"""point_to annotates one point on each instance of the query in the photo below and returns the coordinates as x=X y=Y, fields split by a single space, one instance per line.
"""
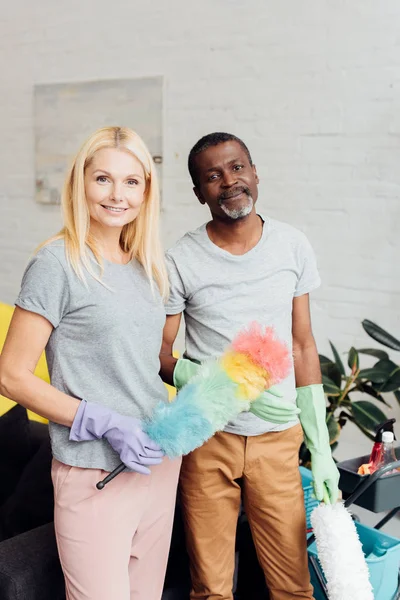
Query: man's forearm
x=167 y=366
x=306 y=364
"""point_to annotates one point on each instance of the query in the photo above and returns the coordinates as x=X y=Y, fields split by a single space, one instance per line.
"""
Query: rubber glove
x=266 y=407
x=184 y=370
x=311 y=401
x=124 y=434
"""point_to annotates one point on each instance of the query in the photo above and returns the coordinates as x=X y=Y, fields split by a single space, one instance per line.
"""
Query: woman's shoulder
x=52 y=249
x=49 y=259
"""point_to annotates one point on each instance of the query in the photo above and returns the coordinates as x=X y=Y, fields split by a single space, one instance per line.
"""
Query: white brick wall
x=312 y=86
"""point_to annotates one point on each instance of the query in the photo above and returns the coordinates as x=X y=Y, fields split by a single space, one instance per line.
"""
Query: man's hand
x=184 y=371
x=270 y=407
x=311 y=401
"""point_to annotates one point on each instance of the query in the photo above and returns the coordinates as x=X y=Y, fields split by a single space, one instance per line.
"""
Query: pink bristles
x=263 y=348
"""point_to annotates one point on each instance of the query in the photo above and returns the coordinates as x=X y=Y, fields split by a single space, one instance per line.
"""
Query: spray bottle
x=376 y=458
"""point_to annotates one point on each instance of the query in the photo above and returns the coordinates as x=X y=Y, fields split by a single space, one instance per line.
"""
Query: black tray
x=383 y=495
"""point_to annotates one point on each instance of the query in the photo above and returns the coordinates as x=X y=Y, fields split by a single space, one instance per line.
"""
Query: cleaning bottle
x=377 y=449
x=388 y=455
x=375 y=459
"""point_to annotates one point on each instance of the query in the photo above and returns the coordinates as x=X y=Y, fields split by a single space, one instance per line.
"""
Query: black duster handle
x=110 y=476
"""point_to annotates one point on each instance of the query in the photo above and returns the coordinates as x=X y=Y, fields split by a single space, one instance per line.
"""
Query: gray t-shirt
x=104 y=346
x=220 y=293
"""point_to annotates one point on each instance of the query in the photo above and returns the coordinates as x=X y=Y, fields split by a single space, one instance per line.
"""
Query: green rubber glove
x=184 y=370
x=311 y=401
x=268 y=408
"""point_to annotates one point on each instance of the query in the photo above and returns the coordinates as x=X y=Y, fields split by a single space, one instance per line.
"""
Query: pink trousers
x=114 y=543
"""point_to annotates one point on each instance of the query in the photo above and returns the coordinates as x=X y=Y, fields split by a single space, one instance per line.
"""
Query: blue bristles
x=179 y=427
x=202 y=407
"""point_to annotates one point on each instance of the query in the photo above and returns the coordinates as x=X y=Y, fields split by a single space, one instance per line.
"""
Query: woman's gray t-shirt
x=104 y=346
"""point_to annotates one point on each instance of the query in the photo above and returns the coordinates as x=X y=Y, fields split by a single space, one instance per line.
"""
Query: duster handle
x=110 y=476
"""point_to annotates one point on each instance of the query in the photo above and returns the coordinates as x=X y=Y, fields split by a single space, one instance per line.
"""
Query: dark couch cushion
x=39 y=433
x=31 y=503
x=177 y=578
x=29 y=567
x=15 y=449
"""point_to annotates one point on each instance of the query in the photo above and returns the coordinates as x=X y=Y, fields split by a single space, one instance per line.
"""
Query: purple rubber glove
x=124 y=434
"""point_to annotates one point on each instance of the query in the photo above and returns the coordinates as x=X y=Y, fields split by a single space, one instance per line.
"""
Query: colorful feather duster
x=221 y=389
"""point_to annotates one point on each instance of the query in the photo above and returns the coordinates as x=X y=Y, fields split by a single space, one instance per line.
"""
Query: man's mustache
x=235 y=192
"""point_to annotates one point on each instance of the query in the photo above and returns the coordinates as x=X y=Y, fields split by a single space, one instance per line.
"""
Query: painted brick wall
x=313 y=87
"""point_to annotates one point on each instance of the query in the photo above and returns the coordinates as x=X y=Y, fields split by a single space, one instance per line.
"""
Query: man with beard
x=237 y=268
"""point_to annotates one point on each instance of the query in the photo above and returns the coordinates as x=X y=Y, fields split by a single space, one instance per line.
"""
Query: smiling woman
x=92 y=297
x=115 y=186
x=113 y=170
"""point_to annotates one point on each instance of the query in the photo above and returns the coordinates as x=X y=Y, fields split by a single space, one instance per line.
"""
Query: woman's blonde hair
x=140 y=238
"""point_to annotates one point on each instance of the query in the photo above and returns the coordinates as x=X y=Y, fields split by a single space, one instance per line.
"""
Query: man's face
x=227 y=182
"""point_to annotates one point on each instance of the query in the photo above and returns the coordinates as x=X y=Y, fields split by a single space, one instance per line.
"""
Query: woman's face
x=115 y=187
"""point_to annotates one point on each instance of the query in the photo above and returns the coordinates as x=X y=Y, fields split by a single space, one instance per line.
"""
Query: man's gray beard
x=239 y=213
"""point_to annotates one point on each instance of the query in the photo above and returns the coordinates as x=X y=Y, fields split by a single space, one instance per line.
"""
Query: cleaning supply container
x=310 y=502
x=381 y=550
x=382 y=553
x=382 y=496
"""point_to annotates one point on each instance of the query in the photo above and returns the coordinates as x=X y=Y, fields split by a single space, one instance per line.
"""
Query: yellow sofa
x=41 y=370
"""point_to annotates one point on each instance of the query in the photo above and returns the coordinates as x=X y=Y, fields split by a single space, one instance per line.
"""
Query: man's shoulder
x=287 y=233
x=188 y=243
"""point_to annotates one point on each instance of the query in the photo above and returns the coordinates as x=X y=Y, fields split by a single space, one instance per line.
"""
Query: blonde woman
x=92 y=296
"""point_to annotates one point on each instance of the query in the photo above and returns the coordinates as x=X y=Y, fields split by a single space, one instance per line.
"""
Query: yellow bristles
x=251 y=378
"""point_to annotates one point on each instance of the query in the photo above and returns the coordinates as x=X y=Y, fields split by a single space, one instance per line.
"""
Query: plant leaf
x=343 y=418
x=393 y=383
x=380 y=335
x=367 y=415
x=324 y=360
x=338 y=360
x=333 y=428
x=374 y=352
x=330 y=388
x=374 y=375
x=386 y=365
x=371 y=391
x=334 y=446
x=353 y=360
x=345 y=402
x=369 y=435
x=331 y=370
x=397 y=394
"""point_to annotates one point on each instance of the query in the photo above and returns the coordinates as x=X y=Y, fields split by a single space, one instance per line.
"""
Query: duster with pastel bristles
x=221 y=389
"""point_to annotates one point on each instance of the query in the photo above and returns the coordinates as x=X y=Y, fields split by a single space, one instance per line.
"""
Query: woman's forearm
x=38 y=396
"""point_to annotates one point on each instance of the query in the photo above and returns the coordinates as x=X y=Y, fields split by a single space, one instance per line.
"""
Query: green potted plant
x=355 y=394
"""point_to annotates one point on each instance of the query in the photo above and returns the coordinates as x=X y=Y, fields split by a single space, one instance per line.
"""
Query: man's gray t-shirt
x=220 y=293
x=104 y=346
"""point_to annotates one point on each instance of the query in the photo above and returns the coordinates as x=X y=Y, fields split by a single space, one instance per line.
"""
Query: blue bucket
x=384 y=570
x=309 y=500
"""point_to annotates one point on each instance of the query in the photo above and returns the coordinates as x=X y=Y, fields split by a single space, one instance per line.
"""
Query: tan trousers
x=274 y=503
